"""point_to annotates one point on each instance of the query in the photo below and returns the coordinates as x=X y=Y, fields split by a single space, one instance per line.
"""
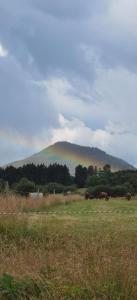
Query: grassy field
x=73 y=249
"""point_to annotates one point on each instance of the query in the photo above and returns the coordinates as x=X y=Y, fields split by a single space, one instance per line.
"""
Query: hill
x=73 y=155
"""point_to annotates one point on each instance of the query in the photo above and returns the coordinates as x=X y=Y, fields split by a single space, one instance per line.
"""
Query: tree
x=2 y=185
x=25 y=186
x=81 y=176
x=11 y=175
x=95 y=169
x=54 y=187
x=91 y=171
x=96 y=180
x=59 y=174
x=107 y=168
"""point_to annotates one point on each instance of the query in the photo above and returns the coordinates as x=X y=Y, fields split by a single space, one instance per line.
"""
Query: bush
x=25 y=186
x=95 y=191
x=71 y=188
x=96 y=180
x=55 y=187
x=42 y=189
x=119 y=191
x=2 y=185
x=113 y=191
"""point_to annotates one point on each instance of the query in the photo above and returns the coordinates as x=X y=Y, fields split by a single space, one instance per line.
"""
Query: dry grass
x=85 y=258
x=52 y=200
x=13 y=203
x=105 y=266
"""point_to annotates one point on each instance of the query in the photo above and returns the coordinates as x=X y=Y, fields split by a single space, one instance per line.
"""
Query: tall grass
x=67 y=258
x=75 y=264
x=12 y=203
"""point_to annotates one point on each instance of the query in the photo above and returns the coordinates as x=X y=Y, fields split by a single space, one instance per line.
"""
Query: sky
x=68 y=72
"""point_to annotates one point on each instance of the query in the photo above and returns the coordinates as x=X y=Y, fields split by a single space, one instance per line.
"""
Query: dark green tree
x=81 y=174
x=91 y=171
x=107 y=168
x=25 y=186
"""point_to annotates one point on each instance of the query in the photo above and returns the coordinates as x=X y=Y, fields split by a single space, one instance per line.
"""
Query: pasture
x=68 y=248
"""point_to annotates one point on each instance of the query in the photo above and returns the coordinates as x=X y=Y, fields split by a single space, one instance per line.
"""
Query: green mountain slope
x=73 y=155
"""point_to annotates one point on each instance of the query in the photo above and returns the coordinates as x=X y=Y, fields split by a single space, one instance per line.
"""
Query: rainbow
x=69 y=155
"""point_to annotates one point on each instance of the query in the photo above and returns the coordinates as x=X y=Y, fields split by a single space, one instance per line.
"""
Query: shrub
x=95 y=191
x=55 y=187
x=96 y=181
x=113 y=191
x=25 y=186
x=119 y=191
x=71 y=188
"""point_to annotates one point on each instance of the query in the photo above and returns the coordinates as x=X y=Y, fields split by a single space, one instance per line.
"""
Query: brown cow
x=128 y=196
x=88 y=196
x=104 y=195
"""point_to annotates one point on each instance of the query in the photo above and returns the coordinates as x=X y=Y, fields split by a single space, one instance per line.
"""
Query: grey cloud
x=15 y=152
x=64 y=39
x=54 y=43
x=68 y=9
x=36 y=28
x=23 y=106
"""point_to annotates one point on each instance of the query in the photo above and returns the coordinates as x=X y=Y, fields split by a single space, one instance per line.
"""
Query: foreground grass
x=70 y=256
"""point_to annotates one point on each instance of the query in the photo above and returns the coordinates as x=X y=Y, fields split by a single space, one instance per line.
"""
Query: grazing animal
x=88 y=196
x=104 y=195
x=128 y=196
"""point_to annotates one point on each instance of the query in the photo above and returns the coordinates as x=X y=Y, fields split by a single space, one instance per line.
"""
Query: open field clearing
x=72 y=250
x=73 y=204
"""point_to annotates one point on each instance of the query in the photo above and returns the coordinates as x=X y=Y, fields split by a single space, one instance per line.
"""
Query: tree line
x=58 y=177
x=42 y=174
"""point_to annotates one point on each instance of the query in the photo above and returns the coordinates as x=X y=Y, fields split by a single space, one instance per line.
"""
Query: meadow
x=68 y=248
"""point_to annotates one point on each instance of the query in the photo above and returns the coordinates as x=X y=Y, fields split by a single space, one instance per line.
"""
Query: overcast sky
x=68 y=71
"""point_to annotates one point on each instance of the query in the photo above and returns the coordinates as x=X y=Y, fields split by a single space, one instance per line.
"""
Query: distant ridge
x=73 y=155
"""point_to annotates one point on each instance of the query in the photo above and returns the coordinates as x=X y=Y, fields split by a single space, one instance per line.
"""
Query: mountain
x=73 y=155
